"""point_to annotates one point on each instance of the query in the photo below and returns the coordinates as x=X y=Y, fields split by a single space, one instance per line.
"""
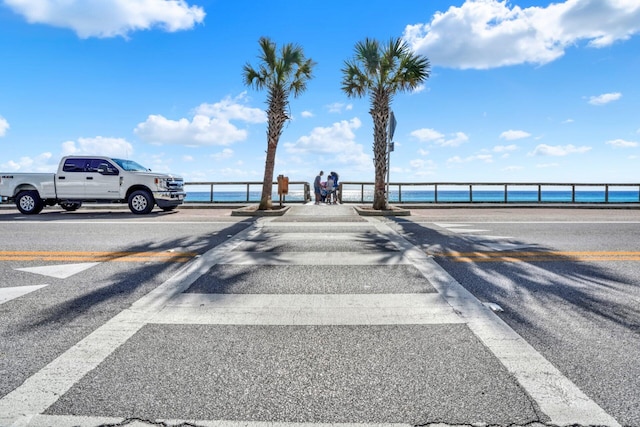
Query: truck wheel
x=70 y=206
x=141 y=202
x=29 y=202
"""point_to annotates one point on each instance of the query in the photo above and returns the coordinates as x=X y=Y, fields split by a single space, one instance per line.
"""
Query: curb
x=253 y=211
x=394 y=211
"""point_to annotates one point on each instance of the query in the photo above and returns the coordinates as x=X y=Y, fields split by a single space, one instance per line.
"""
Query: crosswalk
x=387 y=335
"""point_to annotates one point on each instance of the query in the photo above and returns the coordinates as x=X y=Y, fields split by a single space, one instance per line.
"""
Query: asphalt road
x=568 y=281
x=40 y=326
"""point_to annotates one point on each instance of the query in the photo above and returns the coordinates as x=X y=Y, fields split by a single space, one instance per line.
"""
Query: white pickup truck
x=92 y=178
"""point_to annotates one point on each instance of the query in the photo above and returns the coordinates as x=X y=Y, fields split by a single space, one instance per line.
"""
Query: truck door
x=103 y=181
x=70 y=182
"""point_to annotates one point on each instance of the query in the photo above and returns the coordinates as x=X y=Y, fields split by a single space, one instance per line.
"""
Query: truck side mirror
x=106 y=170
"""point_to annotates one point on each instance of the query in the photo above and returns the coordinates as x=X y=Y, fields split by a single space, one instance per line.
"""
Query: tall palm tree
x=381 y=71
x=283 y=75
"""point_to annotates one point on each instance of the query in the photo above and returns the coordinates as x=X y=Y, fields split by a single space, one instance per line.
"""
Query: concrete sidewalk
x=318 y=317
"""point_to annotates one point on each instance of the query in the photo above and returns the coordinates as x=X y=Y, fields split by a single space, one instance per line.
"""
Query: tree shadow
x=580 y=314
x=543 y=274
x=116 y=292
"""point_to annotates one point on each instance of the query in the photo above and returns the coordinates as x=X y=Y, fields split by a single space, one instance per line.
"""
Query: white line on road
x=46 y=386
x=556 y=395
x=331 y=309
x=61 y=271
x=313 y=258
x=77 y=421
x=7 y=294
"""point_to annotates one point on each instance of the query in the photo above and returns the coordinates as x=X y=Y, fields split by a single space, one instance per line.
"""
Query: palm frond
x=381 y=71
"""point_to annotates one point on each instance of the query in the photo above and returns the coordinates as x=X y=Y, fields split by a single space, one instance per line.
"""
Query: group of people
x=326 y=191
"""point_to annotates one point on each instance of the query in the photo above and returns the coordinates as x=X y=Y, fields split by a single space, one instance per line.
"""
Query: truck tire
x=70 y=206
x=141 y=202
x=29 y=202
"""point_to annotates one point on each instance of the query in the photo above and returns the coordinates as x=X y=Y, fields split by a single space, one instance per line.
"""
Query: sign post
x=390 y=147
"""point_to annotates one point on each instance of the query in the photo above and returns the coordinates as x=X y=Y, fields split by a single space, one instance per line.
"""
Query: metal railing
x=426 y=192
x=504 y=193
x=242 y=192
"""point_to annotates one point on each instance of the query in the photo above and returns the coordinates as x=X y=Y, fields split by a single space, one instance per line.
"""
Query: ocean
x=429 y=196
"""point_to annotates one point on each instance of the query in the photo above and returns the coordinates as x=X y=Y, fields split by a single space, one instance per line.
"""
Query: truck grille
x=175 y=184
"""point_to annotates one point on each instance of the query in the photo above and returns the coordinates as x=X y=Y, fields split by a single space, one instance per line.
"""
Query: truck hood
x=159 y=175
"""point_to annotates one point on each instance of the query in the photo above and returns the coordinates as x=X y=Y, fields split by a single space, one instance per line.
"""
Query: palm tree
x=281 y=76
x=382 y=71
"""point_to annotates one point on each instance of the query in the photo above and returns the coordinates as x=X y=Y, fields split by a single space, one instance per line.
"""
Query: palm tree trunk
x=380 y=114
x=379 y=196
x=267 y=182
x=276 y=117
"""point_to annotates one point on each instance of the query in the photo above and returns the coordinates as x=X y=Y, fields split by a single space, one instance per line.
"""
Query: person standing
x=335 y=188
x=329 y=188
x=317 y=187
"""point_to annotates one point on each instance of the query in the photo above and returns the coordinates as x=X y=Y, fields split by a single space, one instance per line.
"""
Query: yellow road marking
x=540 y=256
x=96 y=256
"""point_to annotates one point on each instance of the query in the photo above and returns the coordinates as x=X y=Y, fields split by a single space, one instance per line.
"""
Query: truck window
x=75 y=165
x=130 y=165
x=102 y=166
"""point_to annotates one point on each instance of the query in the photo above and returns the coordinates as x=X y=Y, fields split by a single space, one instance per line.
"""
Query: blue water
x=428 y=196
x=239 y=196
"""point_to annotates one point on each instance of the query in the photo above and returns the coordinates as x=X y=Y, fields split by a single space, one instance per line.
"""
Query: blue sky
x=520 y=91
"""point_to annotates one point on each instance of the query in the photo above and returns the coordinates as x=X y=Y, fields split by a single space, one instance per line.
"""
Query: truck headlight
x=162 y=183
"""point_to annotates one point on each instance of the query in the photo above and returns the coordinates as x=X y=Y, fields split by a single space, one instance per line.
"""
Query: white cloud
x=511 y=135
x=425 y=173
x=419 y=88
x=211 y=125
x=201 y=130
x=487 y=158
x=232 y=109
x=457 y=139
x=433 y=136
x=505 y=148
x=423 y=152
x=339 y=107
x=485 y=34
x=110 y=18
x=326 y=139
x=338 y=140
x=605 y=98
x=224 y=154
x=512 y=168
x=306 y=114
x=417 y=163
x=40 y=163
x=99 y=146
x=427 y=135
x=621 y=143
x=187 y=158
x=558 y=150
x=239 y=174
x=4 y=126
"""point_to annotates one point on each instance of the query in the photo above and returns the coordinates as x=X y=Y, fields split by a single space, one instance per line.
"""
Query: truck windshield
x=130 y=165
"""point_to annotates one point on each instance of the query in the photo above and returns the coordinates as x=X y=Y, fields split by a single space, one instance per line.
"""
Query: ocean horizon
x=429 y=196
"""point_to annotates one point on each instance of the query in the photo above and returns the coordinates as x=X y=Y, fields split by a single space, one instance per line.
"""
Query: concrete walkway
x=318 y=317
